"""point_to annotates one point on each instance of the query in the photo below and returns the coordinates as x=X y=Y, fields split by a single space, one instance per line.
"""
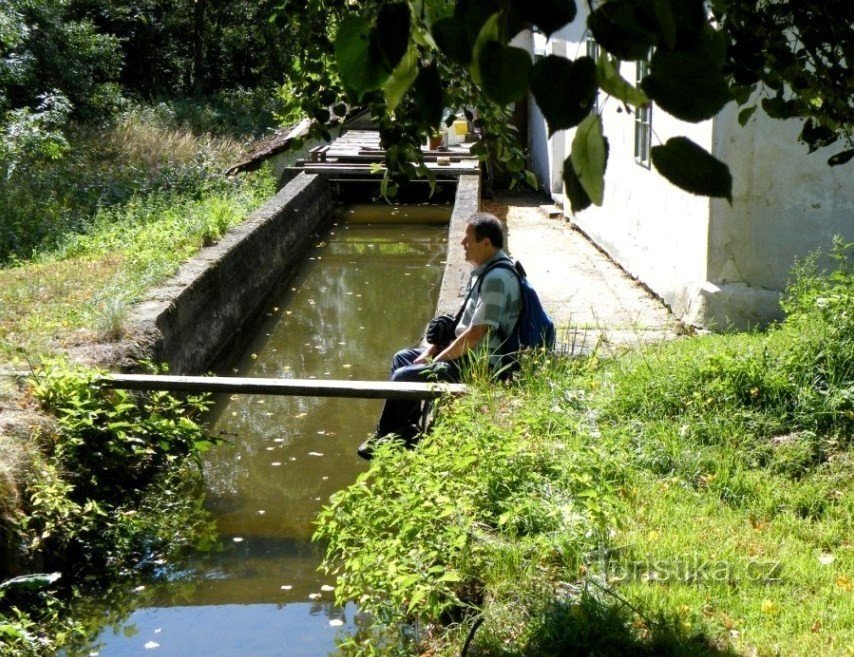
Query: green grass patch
x=88 y=280
x=689 y=498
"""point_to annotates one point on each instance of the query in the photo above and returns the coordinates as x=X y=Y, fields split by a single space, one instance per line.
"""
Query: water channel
x=364 y=291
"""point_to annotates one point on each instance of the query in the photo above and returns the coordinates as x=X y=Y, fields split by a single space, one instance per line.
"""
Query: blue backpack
x=534 y=328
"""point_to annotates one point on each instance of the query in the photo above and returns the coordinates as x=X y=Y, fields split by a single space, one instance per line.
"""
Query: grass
x=687 y=498
x=166 y=200
x=81 y=239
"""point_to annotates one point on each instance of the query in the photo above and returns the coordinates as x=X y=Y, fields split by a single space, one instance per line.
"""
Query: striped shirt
x=498 y=304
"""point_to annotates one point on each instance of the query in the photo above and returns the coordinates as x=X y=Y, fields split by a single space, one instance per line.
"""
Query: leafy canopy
x=405 y=60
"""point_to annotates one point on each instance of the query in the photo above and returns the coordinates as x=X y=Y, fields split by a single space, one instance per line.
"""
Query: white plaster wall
x=655 y=231
x=658 y=233
x=714 y=264
x=786 y=202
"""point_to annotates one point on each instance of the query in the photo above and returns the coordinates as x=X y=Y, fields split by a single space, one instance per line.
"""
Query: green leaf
x=429 y=96
x=841 y=158
x=450 y=36
x=401 y=79
x=666 y=22
x=474 y=14
x=777 y=108
x=392 y=32
x=692 y=168
x=588 y=157
x=687 y=85
x=564 y=90
x=360 y=61
x=548 y=15
x=613 y=83
x=578 y=198
x=531 y=180
x=505 y=72
x=745 y=114
x=488 y=33
x=624 y=28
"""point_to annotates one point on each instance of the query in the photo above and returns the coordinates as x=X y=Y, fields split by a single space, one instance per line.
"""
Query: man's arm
x=464 y=343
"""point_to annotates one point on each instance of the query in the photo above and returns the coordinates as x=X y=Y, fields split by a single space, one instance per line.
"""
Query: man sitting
x=490 y=314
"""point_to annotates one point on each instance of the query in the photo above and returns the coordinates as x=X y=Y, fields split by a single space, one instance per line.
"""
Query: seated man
x=490 y=314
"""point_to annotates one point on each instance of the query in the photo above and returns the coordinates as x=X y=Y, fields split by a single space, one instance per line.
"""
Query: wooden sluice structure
x=357 y=155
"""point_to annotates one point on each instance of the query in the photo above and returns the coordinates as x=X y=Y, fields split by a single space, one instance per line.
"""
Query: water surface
x=364 y=292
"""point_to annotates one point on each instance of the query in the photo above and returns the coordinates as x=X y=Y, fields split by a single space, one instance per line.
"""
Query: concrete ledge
x=457 y=270
x=195 y=315
x=734 y=307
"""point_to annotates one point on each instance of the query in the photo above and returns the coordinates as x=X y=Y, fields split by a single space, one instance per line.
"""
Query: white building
x=714 y=264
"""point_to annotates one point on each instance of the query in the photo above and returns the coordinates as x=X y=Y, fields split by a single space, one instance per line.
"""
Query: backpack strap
x=516 y=268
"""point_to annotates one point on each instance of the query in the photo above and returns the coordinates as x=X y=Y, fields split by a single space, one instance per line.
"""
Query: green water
x=364 y=292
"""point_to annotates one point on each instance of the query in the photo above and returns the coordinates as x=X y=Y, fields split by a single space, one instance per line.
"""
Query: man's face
x=477 y=252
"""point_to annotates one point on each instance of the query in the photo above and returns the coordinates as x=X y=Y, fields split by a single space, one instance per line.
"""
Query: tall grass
x=85 y=236
x=690 y=498
x=43 y=202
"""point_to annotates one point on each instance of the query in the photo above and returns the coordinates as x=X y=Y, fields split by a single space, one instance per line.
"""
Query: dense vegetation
x=408 y=61
x=111 y=493
x=691 y=498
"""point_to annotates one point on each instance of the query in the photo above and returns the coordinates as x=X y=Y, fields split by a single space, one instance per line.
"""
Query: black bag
x=440 y=330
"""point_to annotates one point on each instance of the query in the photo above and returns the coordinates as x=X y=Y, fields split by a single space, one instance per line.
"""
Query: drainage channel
x=365 y=290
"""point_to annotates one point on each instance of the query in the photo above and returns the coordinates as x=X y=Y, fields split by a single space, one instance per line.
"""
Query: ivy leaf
x=588 y=157
x=578 y=198
x=687 y=85
x=360 y=61
x=548 y=15
x=841 y=158
x=505 y=72
x=401 y=79
x=624 y=28
x=692 y=168
x=564 y=90
x=613 y=83
x=745 y=114
x=392 y=32
x=450 y=36
x=489 y=32
x=429 y=97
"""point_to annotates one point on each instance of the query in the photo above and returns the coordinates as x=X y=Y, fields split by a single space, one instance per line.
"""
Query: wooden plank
x=292 y=387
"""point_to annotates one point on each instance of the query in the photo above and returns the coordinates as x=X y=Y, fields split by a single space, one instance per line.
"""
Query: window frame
x=643 y=121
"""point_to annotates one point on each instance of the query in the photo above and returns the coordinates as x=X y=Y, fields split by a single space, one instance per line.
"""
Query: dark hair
x=487 y=225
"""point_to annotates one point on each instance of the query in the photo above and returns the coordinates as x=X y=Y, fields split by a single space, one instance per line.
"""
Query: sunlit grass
x=89 y=280
x=689 y=498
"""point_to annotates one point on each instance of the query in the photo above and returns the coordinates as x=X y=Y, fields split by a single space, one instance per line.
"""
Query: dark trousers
x=402 y=416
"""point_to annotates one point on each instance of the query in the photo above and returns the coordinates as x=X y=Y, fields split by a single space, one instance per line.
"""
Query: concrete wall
x=197 y=314
x=786 y=204
x=457 y=270
x=715 y=265
x=656 y=232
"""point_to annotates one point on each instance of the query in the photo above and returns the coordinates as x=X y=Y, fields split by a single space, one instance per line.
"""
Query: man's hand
x=426 y=356
x=464 y=343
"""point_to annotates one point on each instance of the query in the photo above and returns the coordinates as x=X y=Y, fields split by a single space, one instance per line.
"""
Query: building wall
x=656 y=232
x=715 y=265
x=786 y=204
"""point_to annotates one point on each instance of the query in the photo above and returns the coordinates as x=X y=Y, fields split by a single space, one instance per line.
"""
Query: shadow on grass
x=588 y=626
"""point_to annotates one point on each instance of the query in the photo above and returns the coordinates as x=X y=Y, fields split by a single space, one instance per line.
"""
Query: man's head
x=484 y=236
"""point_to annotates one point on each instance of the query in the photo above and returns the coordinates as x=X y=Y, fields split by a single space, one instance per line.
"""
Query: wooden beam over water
x=292 y=387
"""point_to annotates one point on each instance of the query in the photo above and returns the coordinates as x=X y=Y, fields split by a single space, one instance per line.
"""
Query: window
x=643 y=122
x=593 y=52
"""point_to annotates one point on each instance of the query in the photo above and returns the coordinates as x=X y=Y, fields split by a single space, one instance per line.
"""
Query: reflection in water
x=364 y=292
